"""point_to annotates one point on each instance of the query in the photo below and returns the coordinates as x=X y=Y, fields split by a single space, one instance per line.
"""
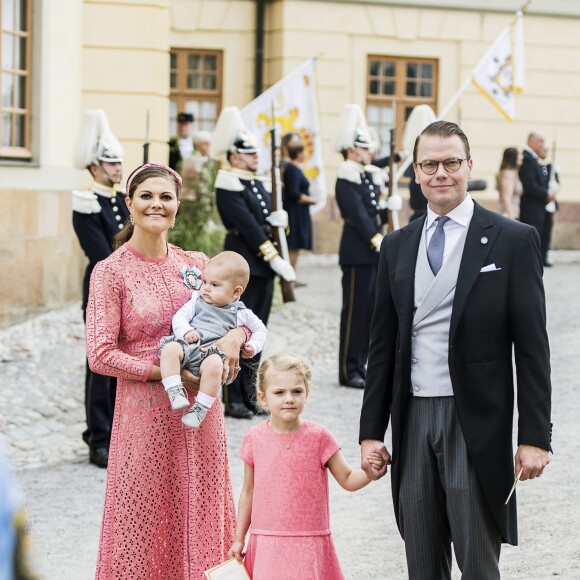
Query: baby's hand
x=236 y=551
x=248 y=351
x=376 y=460
x=191 y=337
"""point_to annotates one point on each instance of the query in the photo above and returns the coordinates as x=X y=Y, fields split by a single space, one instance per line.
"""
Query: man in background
x=536 y=191
x=98 y=215
x=181 y=146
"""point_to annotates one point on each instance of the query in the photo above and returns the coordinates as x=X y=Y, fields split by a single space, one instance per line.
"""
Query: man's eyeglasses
x=450 y=165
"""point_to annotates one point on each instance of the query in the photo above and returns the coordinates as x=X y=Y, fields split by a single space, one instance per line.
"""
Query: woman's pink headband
x=155 y=165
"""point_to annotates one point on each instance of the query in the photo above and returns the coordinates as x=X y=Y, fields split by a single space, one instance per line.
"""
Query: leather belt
x=266 y=227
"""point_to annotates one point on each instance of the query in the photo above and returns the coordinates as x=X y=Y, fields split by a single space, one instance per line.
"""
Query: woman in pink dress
x=169 y=511
x=285 y=492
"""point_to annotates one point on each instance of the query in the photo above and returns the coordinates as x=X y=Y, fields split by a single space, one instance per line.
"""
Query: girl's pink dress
x=169 y=510
x=290 y=525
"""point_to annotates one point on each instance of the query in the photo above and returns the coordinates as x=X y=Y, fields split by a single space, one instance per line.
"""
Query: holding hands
x=375 y=460
x=374 y=468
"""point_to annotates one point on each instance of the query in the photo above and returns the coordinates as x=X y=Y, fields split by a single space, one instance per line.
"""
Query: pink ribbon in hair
x=153 y=164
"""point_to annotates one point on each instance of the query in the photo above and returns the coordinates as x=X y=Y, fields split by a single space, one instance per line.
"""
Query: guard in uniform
x=244 y=203
x=181 y=146
x=98 y=215
x=357 y=194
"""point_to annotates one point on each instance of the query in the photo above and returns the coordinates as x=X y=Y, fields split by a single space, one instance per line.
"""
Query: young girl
x=285 y=492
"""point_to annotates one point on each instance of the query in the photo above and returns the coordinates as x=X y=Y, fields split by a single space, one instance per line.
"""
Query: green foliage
x=198 y=226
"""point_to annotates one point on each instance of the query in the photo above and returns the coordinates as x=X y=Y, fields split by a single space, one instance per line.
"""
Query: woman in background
x=508 y=183
x=296 y=198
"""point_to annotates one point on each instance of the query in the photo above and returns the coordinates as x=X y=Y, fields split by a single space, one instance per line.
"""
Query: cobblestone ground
x=42 y=416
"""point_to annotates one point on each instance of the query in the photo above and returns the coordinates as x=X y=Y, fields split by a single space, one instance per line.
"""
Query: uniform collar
x=532 y=153
x=360 y=168
x=243 y=173
x=105 y=190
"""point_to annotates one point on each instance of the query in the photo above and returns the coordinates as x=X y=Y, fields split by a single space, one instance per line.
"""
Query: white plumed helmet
x=96 y=141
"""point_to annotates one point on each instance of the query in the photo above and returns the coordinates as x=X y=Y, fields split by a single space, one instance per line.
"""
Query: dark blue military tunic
x=244 y=203
x=98 y=215
x=357 y=196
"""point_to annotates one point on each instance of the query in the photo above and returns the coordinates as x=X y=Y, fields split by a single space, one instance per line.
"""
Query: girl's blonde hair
x=283 y=363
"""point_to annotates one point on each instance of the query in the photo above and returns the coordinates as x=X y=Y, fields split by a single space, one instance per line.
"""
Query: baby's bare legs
x=211 y=370
x=169 y=361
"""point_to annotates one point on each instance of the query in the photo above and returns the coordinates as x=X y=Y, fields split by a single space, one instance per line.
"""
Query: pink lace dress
x=169 y=510
x=290 y=524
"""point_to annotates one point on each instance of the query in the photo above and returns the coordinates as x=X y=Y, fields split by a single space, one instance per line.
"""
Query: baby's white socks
x=205 y=400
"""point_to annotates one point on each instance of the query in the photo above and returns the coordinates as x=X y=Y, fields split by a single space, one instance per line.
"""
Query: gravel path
x=41 y=413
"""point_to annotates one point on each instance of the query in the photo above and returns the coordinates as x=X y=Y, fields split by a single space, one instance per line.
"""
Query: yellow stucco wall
x=114 y=55
x=342 y=34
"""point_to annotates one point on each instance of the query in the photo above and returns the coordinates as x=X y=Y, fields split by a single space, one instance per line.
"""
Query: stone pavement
x=42 y=416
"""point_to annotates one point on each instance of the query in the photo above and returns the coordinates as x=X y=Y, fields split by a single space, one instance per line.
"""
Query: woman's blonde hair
x=283 y=363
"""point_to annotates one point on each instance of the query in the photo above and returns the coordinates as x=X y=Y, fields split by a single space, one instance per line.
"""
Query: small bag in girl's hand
x=229 y=570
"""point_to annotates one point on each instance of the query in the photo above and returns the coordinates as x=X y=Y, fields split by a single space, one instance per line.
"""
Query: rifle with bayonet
x=279 y=233
x=146 y=144
x=392 y=190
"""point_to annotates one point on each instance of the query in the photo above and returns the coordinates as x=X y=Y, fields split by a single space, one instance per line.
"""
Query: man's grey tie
x=437 y=245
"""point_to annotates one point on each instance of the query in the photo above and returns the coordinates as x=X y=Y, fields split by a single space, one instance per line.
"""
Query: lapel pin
x=484 y=240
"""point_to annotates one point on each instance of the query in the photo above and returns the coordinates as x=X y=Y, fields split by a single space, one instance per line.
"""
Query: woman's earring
x=131 y=218
x=173 y=224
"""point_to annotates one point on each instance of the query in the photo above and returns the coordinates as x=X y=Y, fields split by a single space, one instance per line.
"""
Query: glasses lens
x=452 y=165
x=429 y=167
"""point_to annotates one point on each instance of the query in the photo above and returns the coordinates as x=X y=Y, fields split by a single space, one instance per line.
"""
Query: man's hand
x=368 y=448
x=191 y=337
x=531 y=460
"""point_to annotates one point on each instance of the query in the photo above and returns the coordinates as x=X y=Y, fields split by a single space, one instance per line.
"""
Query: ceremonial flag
x=499 y=75
x=295 y=110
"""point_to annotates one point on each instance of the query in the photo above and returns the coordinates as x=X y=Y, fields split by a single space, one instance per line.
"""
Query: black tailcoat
x=493 y=312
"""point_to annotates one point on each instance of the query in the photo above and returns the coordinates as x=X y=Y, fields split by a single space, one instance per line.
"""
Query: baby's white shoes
x=195 y=415
x=177 y=397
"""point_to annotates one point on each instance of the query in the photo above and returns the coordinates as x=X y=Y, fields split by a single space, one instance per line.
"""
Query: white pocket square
x=490 y=268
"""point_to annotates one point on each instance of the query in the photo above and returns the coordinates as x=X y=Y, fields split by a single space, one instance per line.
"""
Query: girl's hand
x=190 y=381
x=236 y=551
x=376 y=460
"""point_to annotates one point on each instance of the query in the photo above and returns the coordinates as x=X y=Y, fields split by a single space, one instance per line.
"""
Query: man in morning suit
x=537 y=192
x=456 y=290
x=98 y=215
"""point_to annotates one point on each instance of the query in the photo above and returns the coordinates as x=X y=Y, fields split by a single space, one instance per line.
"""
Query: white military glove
x=283 y=268
x=278 y=219
x=395 y=203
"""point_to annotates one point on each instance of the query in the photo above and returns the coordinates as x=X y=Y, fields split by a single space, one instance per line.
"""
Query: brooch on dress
x=191 y=277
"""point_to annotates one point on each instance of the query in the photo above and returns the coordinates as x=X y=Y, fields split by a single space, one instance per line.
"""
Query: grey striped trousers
x=441 y=500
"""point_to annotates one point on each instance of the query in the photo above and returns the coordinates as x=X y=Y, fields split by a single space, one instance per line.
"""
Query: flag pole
x=457 y=95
